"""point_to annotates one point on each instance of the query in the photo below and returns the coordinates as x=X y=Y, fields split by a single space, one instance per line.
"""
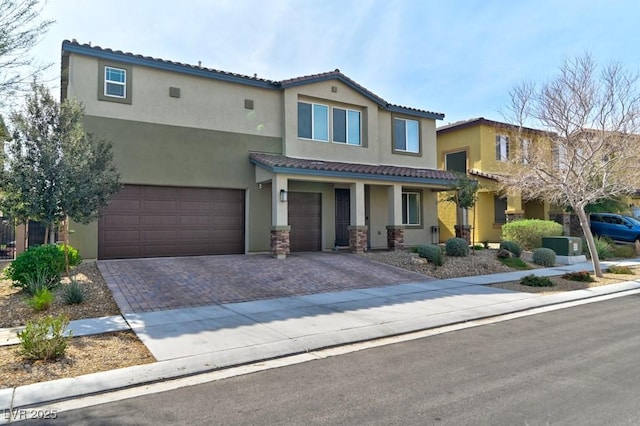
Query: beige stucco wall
x=204 y=103
x=154 y=154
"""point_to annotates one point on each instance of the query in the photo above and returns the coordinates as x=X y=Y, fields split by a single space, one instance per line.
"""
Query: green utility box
x=563 y=246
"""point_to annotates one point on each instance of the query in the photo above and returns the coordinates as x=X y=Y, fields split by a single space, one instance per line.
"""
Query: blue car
x=615 y=226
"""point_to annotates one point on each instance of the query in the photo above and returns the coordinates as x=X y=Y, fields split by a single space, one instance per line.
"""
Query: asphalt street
x=572 y=366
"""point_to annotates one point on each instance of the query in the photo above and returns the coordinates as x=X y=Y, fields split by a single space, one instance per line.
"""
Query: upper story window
x=346 y=126
x=115 y=82
x=502 y=148
x=313 y=121
x=411 y=208
x=406 y=135
x=525 y=150
x=456 y=162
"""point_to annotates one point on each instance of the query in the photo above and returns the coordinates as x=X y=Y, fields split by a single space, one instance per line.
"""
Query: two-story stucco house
x=214 y=162
x=479 y=147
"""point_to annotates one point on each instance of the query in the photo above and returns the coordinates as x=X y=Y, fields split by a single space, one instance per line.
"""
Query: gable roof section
x=287 y=165
x=199 y=71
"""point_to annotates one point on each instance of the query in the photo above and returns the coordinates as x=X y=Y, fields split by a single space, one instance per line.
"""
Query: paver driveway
x=142 y=285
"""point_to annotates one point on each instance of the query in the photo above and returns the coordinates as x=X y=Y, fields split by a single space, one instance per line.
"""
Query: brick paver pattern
x=142 y=285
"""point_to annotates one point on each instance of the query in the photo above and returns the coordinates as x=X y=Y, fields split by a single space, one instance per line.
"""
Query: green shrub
x=529 y=232
x=604 y=247
x=515 y=263
x=535 y=281
x=414 y=250
x=544 y=256
x=44 y=338
x=41 y=300
x=477 y=247
x=50 y=256
x=41 y=279
x=457 y=247
x=432 y=253
x=512 y=246
x=73 y=293
x=617 y=269
x=582 y=276
x=625 y=251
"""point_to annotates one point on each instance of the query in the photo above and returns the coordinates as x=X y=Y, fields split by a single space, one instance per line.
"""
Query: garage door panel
x=143 y=221
x=157 y=221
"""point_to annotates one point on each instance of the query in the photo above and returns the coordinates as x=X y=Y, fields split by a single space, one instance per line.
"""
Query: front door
x=343 y=216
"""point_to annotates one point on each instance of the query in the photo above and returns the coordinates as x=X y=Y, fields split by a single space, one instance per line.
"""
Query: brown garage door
x=304 y=219
x=150 y=221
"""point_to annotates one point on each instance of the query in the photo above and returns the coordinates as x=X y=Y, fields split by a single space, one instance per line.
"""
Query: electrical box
x=564 y=246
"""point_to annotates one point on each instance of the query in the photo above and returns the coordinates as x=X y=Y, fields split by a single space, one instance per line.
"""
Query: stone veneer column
x=280 y=244
x=395 y=237
x=358 y=239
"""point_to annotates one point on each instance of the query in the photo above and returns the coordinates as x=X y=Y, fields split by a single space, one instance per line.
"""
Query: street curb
x=106 y=381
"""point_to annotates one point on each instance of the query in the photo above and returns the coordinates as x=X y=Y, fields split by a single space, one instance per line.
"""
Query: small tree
x=54 y=169
x=588 y=150
x=21 y=29
x=464 y=196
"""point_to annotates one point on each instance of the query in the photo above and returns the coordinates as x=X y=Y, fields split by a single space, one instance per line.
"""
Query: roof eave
x=68 y=47
x=444 y=183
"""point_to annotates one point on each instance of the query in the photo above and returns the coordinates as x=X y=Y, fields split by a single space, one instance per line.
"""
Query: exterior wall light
x=283 y=195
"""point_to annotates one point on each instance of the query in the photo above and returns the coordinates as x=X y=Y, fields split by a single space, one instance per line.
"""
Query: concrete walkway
x=193 y=340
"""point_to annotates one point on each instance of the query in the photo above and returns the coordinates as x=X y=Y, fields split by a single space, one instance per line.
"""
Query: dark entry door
x=343 y=216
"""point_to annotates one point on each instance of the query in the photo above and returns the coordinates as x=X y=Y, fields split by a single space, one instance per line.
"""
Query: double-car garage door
x=150 y=221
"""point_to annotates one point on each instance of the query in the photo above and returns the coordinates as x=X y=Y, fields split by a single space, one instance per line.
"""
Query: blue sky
x=458 y=57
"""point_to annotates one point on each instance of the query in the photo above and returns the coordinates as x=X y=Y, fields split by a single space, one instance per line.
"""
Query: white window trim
x=313 y=122
x=117 y=83
x=347 y=110
x=419 y=201
x=406 y=138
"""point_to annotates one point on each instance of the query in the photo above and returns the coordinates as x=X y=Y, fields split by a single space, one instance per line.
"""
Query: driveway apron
x=154 y=284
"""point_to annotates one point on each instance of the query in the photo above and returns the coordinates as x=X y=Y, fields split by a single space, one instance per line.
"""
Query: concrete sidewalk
x=195 y=340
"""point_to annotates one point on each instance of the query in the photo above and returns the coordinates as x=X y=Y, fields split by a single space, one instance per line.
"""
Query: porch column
x=514 y=208
x=279 y=218
x=358 y=228
x=395 y=228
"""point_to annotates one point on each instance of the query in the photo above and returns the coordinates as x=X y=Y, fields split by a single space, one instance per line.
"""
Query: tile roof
x=481 y=120
x=492 y=176
x=118 y=55
x=280 y=163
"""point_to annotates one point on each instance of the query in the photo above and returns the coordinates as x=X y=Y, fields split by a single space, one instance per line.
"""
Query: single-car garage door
x=150 y=221
x=304 y=219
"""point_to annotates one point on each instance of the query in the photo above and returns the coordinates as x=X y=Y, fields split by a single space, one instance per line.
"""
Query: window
x=525 y=145
x=406 y=135
x=313 y=121
x=502 y=148
x=115 y=82
x=411 y=208
x=346 y=126
x=456 y=162
x=500 y=208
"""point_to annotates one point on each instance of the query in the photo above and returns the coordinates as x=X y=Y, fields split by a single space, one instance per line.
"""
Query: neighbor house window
x=456 y=162
x=525 y=148
x=313 y=121
x=346 y=126
x=500 y=208
x=411 y=208
x=406 y=135
x=502 y=148
x=115 y=82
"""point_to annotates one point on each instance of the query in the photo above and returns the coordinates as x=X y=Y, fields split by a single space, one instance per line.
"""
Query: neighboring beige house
x=215 y=162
